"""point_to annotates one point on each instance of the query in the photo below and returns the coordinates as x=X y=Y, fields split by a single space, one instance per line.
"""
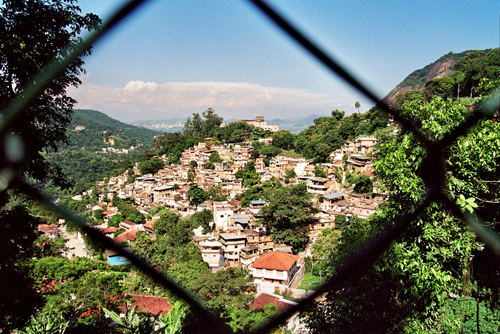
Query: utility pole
x=458 y=91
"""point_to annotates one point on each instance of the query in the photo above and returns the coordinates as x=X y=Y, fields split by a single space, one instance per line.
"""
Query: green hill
x=89 y=132
x=452 y=74
x=101 y=131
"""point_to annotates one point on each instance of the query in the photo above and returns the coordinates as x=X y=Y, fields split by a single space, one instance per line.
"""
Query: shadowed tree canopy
x=32 y=34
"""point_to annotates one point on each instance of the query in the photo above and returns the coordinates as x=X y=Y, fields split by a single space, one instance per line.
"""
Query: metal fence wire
x=352 y=266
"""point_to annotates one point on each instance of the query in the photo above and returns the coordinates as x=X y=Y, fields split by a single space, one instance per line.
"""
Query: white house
x=275 y=267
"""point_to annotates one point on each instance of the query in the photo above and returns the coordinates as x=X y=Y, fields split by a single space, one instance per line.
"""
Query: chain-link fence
x=354 y=265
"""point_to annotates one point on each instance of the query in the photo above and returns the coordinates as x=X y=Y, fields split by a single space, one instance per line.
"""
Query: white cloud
x=150 y=100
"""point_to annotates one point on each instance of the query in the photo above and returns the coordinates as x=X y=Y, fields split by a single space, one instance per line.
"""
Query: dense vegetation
x=77 y=159
x=425 y=278
x=101 y=129
x=417 y=79
x=469 y=71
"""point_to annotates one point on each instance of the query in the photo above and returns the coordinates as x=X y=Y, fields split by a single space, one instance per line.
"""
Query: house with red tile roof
x=275 y=267
x=264 y=299
x=281 y=304
x=126 y=236
x=52 y=231
x=148 y=304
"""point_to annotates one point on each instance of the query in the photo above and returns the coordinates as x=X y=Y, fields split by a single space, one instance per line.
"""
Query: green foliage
x=168 y=220
x=311 y=282
x=202 y=218
x=247 y=319
x=287 y=214
x=137 y=323
x=238 y=132
x=17 y=234
x=340 y=221
x=224 y=288
x=115 y=220
x=127 y=210
x=257 y=192
x=418 y=77
x=329 y=133
x=99 y=128
x=409 y=285
x=62 y=268
x=216 y=193
x=26 y=48
x=248 y=174
x=214 y=157
x=363 y=184
x=209 y=165
x=196 y=195
x=319 y=172
x=84 y=168
x=202 y=127
x=46 y=324
x=44 y=246
x=289 y=174
x=151 y=166
x=283 y=139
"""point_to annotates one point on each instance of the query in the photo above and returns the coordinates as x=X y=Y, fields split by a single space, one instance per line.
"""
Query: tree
x=364 y=184
x=357 y=105
x=115 y=220
x=410 y=287
x=216 y=193
x=248 y=174
x=287 y=214
x=151 y=166
x=319 y=172
x=214 y=157
x=283 y=139
x=196 y=195
x=338 y=114
x=289 y=174
x=27 y=44
x=168 y=220
x=209 y=165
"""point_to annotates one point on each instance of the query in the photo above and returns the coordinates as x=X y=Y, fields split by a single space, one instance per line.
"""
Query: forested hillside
x=102 y=131
x=452 y=75
x=438 y=276
x=91 y=131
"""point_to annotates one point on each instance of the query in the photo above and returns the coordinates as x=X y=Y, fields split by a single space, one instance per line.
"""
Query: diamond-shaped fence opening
x=351 y=267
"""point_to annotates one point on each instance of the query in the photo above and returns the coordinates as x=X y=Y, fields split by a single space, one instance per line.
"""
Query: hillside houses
x=238 y=238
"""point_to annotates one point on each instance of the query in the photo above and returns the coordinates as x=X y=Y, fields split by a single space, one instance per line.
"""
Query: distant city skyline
x=171 y=59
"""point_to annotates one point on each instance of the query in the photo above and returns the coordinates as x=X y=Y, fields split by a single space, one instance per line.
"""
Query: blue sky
x=173 y=58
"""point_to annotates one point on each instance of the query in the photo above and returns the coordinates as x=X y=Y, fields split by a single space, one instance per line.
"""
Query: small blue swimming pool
x=113 y=260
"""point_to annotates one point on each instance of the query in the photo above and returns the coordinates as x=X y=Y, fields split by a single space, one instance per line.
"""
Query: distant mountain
x=92 y=130
x=441 y=68
x=166 y=125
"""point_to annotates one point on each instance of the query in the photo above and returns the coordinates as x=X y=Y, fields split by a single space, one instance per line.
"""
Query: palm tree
x=357 y=105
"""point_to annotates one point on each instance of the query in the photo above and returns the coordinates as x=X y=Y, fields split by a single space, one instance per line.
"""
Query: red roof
x=265 y=299
x=275 y=261
x=150 y=224
x=126 y=236
x=148 y=304
x=107 y=230
x=235 y=202
x=44 y=228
